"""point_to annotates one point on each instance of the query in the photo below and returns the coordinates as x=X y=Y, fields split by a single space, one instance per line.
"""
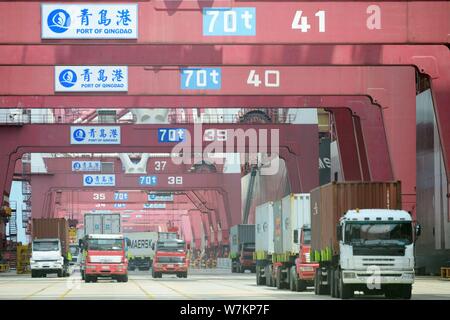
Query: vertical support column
x=348 y=149
x=365 y=172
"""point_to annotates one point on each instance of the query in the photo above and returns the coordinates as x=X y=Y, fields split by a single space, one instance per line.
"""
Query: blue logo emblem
x=67 y=78
x=77 y=166
x=58 y=21
x=89 y=180
x=79 y=135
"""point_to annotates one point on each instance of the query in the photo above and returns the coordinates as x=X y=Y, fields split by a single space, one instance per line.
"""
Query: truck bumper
x=105 y=269
x=307 y=271
x=170 y=270
x=47 y=266
x=382 y=277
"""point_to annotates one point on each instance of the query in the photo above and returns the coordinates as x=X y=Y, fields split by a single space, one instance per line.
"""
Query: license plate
x=170 y=266
x=105 y=267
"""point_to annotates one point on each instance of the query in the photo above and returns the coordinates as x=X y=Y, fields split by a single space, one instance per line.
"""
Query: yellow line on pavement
x=147 y=294
x=177 y=291
x=39 y=291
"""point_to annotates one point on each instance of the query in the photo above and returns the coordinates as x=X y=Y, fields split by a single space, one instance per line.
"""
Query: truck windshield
x=170 y=260
x=170 y=246
x=105 y=244
x=306 y=236
x=45 y=246
x=378 y=233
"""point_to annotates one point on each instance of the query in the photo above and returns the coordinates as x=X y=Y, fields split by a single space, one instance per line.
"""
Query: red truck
x=283 y=243
x=104 y=255
x=170 y=258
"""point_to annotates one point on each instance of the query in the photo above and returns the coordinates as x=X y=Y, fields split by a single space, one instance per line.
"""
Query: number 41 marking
x=301 y=23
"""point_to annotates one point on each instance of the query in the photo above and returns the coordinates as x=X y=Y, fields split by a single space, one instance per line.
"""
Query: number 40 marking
x=271 y=78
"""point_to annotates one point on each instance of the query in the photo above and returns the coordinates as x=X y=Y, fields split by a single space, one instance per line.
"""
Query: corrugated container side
x=278 y=227
x=52 y=228
x=241 y=233
x=264 y=230
x=296 y=212
x=331 y=201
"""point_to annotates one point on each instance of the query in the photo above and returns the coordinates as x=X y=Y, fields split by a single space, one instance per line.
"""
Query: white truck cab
x=376 y=252
x=47 y=257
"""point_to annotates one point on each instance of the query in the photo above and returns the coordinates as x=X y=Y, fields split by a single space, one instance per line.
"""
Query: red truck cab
x=170 y=258
x=305 y=269
x=246 y=258
x=104 y=255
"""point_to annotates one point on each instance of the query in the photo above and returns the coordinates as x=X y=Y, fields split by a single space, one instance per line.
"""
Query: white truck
x=367 y=250
x=140 y=251
x=47 y=257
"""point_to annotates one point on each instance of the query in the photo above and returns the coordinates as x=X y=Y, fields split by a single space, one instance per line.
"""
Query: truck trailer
x=140 y=251
x=362 y=240
x=283 y=243
x=242 y=248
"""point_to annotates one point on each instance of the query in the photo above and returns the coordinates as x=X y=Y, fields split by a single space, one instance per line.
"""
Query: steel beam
x=329 y=22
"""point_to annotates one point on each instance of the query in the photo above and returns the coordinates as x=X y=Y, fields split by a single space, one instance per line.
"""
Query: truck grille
x=386 y=262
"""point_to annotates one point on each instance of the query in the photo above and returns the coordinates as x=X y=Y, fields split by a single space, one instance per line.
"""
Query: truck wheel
x=332 y=284
x=259 y=280
x=33 y=274
x=124 y=278
x=301 y=285
x=406 y=291
x=82 y=275
x=94 y=279
x=60 y=273
x=179 y=275
x=345 y=290
x=87 y=278
x=278 y=280
x=293 y=280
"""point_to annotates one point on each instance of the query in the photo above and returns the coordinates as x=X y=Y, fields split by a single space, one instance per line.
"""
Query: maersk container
x=278 y=227
x=264 y=229
x=331 y=201
x=296 y=212
x=102 y=223
x=240 y=234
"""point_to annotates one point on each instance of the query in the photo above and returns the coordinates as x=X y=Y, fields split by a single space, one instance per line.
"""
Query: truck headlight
x=408 y=275
x=349 y=275
x=32 y=261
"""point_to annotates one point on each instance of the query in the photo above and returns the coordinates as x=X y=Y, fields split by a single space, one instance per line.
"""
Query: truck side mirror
x=153 y=246
x=418 y=230
x=128 y=242
x=296 y=238
x=339 y=232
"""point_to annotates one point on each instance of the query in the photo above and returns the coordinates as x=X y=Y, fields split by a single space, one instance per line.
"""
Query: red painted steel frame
x=181 y=22
x=396 y=96
x=294 y=140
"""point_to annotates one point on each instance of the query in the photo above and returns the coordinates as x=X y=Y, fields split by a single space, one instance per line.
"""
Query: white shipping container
x=296 y=212
x=264 y=228
x=102 y=223
x=141 y=243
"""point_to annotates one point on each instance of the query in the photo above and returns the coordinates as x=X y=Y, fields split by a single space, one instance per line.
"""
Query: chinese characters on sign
x=91 y=78
x=154 y=205
x=99 y=180
x=89 y=21
x=86 y=165
x=95 y=135
x=160 y=197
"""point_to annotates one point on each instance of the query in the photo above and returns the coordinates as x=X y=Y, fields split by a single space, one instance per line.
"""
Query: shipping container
x=102 y=223
x=141 y=243
x=45 y=228
x=296 y=213
x=264 y=230
x=331 y=201
x=241 y=234
x=278 y=228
